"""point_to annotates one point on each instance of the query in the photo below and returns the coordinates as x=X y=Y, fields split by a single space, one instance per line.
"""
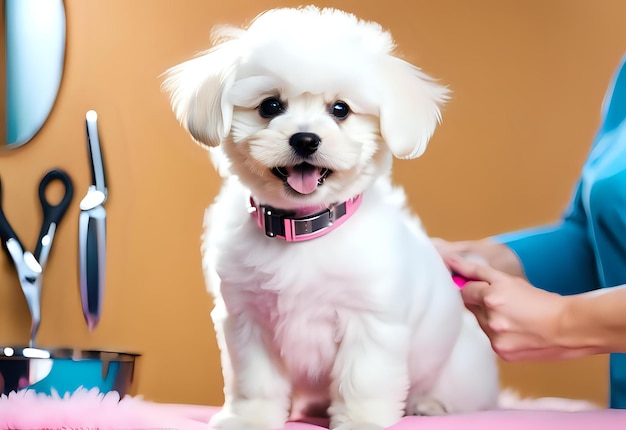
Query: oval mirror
x=35 y=53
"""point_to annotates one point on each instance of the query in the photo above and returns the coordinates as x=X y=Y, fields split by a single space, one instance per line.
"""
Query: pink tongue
x=303 y=179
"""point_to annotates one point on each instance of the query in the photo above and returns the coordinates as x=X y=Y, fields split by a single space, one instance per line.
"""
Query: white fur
x=364 y=321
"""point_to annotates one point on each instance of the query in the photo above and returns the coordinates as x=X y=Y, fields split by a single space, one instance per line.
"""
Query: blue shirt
x=586 y=250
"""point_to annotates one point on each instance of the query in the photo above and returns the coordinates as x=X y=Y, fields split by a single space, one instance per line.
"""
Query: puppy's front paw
x=426 y=407
x=343 y=422
x=356 y=426
x=228 y=421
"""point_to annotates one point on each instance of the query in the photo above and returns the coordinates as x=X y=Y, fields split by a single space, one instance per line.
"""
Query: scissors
x=29 y=266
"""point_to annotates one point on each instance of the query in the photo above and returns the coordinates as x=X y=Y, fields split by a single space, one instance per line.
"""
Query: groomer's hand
x=460 y=248
x=522 y=321
x=495 y=254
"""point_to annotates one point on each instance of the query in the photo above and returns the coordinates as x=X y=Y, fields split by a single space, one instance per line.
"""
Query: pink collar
x=292 y=228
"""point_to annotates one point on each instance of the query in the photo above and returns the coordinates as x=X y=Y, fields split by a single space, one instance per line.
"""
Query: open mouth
x=303 y=178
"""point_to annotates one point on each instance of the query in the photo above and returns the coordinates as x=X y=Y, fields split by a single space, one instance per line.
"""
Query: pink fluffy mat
x=93 y=410
x=96 y=411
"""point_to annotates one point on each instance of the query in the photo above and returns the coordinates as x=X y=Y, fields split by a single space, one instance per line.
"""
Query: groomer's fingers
x=445 y=247
x=473 y=294
x=472 y=270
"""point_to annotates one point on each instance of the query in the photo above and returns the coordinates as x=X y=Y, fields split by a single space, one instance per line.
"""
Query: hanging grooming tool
x=92 y=230
x=30 y=266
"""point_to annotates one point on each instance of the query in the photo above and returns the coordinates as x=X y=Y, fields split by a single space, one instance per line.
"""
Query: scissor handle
x=6 y=232
x=52 y=213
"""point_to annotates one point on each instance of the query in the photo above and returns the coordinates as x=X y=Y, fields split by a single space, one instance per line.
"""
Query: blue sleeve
x=559 y=257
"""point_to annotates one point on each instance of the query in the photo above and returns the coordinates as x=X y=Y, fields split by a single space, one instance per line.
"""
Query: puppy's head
x=306 y=105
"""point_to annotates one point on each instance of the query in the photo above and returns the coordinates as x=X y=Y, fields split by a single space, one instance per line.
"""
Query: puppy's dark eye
x=340 y=110
x=271 y=107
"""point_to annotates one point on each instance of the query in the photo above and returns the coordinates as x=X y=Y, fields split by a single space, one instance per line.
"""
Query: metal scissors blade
x=29 y=275
x=98 y=176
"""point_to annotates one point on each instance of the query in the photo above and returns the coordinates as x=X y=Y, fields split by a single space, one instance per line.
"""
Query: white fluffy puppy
x=328 y=294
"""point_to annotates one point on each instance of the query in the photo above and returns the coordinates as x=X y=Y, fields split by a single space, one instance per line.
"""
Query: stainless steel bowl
x=65 y=370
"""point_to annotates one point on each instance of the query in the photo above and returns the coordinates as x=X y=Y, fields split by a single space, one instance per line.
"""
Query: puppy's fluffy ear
x=197 y=86
x=410 y=107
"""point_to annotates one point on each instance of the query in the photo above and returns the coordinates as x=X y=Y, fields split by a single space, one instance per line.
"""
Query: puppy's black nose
x=305 y=144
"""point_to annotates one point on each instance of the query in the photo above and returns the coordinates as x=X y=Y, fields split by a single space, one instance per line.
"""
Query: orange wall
x=528 y=79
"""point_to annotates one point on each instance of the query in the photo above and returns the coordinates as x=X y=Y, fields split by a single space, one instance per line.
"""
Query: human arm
x=527 y=323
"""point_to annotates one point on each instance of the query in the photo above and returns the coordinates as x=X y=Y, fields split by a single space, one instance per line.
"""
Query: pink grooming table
x=605 y=419
x=89 y=409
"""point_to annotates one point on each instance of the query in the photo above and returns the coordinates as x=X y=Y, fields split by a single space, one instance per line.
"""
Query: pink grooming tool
x=459 y=280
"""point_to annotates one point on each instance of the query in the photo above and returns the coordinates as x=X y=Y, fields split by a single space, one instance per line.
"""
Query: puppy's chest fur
x=305 y=331
x=303 y=320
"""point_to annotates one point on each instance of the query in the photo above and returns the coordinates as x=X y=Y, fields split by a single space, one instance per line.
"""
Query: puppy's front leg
x=370 y=377
x=256 y=392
